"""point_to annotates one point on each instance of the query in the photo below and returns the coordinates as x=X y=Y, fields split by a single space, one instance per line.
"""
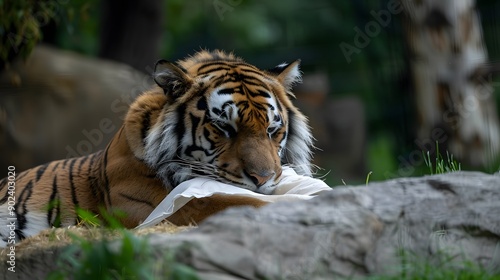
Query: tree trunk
x=451 y=80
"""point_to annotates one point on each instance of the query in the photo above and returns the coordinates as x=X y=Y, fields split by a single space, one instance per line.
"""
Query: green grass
x=443 y=267
x=440 y=165
x=125 y=256
x=129 y=257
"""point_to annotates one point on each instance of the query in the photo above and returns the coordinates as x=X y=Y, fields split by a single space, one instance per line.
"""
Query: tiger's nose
x=260 y=178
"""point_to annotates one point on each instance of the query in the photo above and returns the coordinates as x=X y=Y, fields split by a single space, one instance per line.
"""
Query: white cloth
x=291 y=187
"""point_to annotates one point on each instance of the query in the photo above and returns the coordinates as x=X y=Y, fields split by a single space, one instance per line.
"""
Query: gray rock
x=356 y=231
x=347 y=232
x=59 y=104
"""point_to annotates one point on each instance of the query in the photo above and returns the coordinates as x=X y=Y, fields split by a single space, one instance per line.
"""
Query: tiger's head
x=225 y=119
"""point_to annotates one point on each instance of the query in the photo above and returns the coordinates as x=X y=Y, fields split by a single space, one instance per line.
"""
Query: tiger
x=209 y=115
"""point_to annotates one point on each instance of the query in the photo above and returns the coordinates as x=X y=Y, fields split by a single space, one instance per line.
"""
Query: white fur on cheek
x=161 y=148
x=298 y=148
x=161 y=139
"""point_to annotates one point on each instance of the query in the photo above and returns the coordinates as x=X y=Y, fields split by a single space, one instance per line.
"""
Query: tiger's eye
x=225 y=128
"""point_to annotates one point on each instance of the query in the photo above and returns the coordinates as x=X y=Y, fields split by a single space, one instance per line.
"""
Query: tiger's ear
x=288 y=73
x=172 y=79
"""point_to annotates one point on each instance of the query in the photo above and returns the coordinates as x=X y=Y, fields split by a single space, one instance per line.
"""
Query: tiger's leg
x=46 y=196
x=31 y=204
x=197 y=210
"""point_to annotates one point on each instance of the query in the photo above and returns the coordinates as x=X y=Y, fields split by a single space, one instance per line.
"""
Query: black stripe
x=94 y=189
x=21 y=210
x=206 y=133
x=92 y=180
x=55 y=167
x=248 y=78
x=263 y=93
x=105 y=184
x=212 y=64
x=231 y=64
x=195 y=121
x=82 y=161
x=72 y=182
x=244 y=64
x=243 y=104
x=211 y=161
x=3 y=183
x=41 y=171
x=216 y=69
x=57 y=221
x=218 y=112
x=259 y=93
x=146 y=124
x=202 y=104
x=216 y=82
x=180 y=129
x=251 y=71
x=54 y=203
x=256 y=84
x=92 y=159
x=161 y=158
x=226 y=104
x=226 y=91
x=138 y=200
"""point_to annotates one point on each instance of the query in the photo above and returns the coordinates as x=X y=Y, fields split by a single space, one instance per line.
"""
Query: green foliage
x=444 y=267
x=251 y=26
x=20 y=23
x=122 y=257
x=87 y=218
x=79 y=29
x=129 y=258
x=105 y=218
x=441 y=165
x=97 y=260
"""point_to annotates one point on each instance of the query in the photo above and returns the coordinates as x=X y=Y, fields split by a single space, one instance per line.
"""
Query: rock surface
x=59 y=104
x=346 y=232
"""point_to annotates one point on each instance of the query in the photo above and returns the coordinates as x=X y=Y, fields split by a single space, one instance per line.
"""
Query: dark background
x=267 y=33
